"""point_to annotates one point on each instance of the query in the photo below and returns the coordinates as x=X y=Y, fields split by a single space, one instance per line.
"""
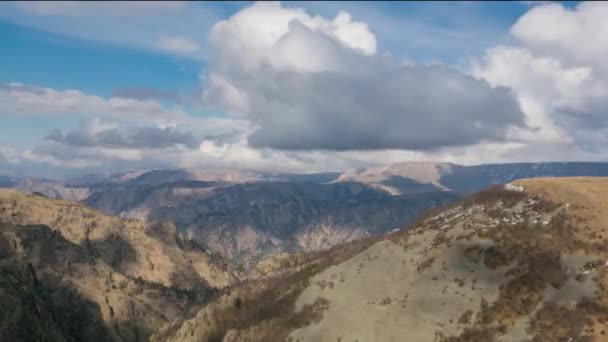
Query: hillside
x=70 y=273
x=520 y=262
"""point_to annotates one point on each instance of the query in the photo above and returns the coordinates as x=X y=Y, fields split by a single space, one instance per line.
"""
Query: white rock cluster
x=512 y=187
x=457 y=212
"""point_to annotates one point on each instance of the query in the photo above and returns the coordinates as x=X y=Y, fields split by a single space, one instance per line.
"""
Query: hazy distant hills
x=247 y=215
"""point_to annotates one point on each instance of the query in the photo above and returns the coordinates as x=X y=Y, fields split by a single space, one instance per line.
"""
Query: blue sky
x=147 y=49
x=63 y=62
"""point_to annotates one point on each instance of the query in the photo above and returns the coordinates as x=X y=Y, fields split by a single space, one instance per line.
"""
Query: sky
x=103 y=87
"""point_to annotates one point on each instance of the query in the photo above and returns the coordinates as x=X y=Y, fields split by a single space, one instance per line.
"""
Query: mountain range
x=247 y=215
x=524 y=261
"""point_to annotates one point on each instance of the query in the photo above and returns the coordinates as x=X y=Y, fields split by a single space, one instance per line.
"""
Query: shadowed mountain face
x=249 y=221
x=520 y=263
x=248 y=215
x=70 y=273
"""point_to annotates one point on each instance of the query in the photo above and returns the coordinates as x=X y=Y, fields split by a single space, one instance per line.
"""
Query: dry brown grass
x=580 y=207
x=264 y=309
x=570 y=218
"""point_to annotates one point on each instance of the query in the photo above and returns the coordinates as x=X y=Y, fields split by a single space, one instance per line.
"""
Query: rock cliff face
x=522 y=263
x=71 y=273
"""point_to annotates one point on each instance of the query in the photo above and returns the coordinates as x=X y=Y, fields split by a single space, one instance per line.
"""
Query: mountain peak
x=385 y=177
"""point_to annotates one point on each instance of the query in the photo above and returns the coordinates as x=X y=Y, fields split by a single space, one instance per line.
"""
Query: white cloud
x=575 y=36
x=19 y=99
x=541 y=84
x=97 y=134
x=312 y=83
x=558 y=72
x=258 y=34
x=132 y=24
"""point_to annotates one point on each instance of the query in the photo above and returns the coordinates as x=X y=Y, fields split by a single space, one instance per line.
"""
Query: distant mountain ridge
x=401 y=177
x=398 y=178
x=464 y=179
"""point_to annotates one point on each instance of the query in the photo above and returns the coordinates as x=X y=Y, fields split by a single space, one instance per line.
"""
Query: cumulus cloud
x=127 y=106
x=542 y=85
x=558 y=72
x=577 y=35
x=312 y=83
x=115 y=136
x=107 y=146
x=579 y=42
x=117 y=133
